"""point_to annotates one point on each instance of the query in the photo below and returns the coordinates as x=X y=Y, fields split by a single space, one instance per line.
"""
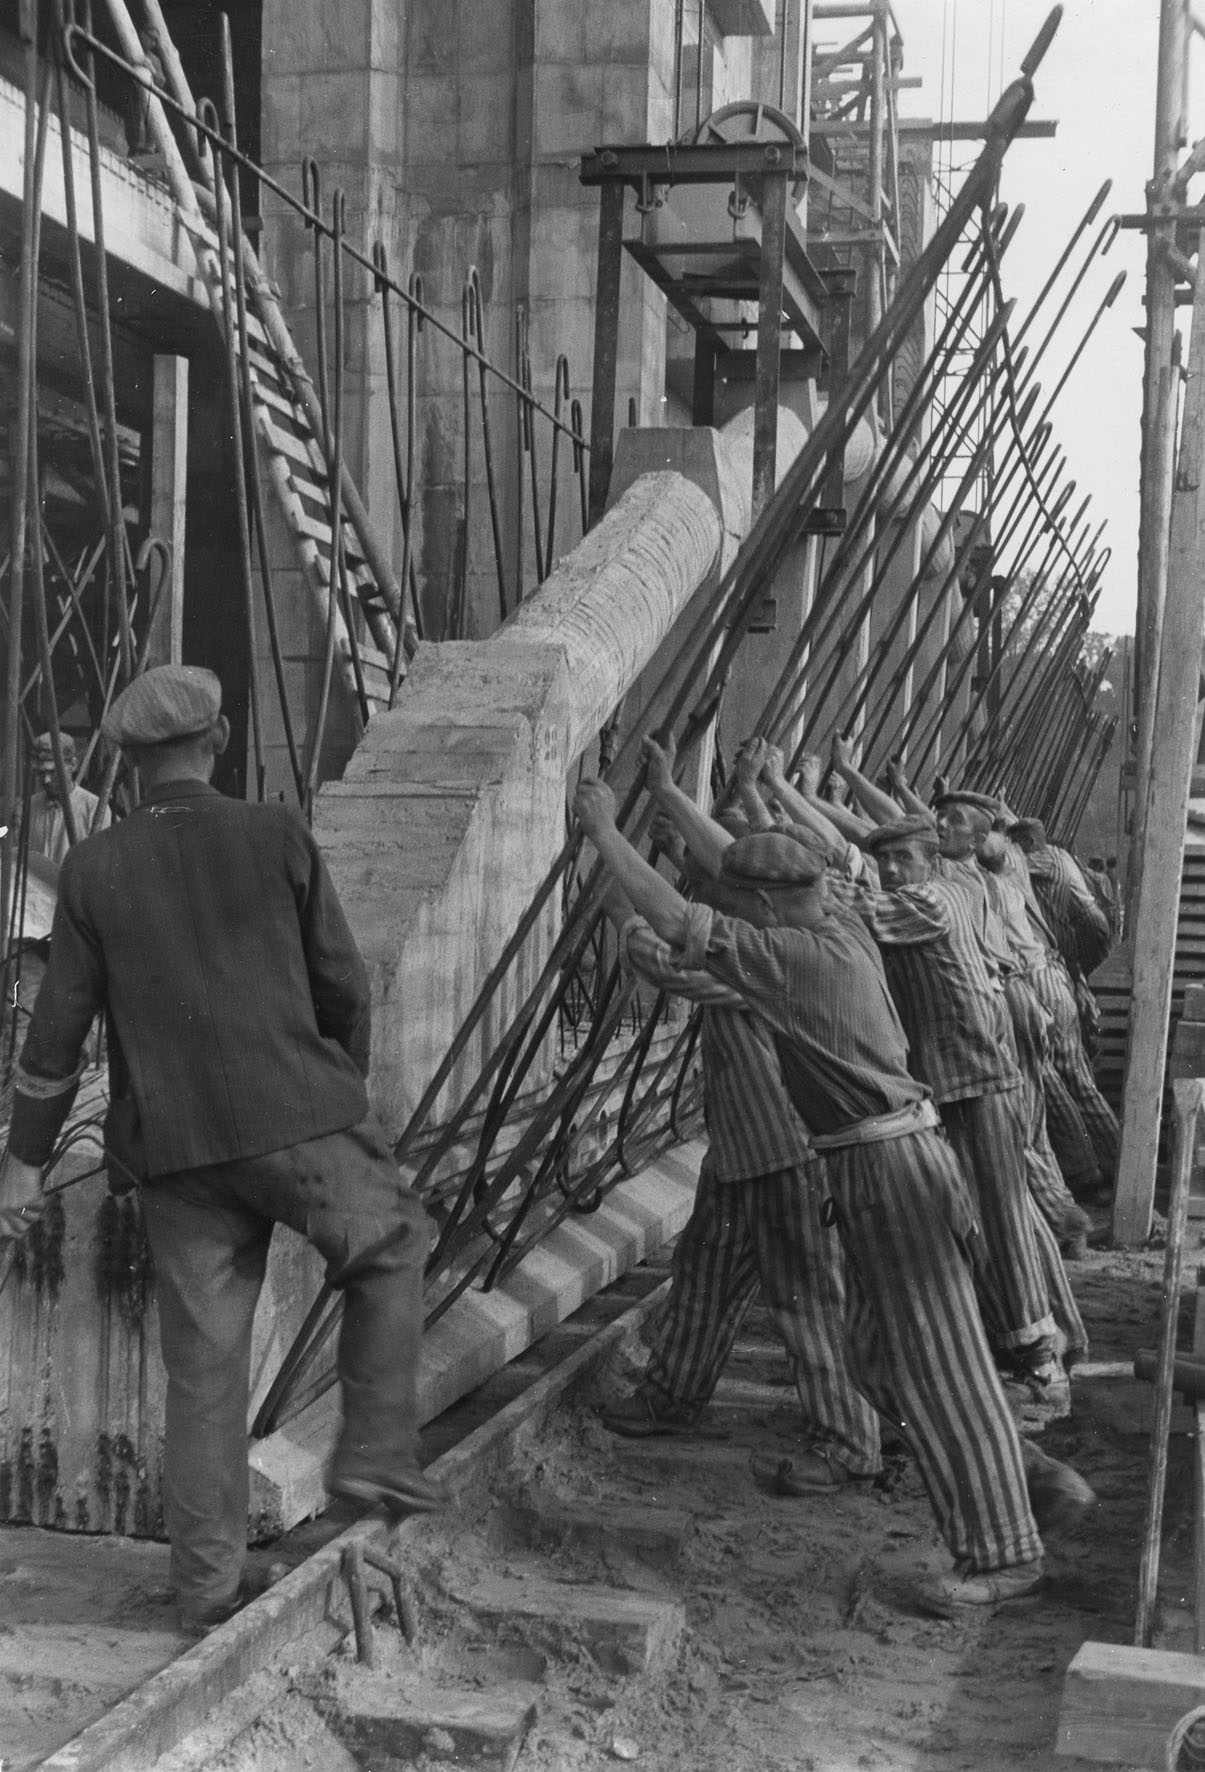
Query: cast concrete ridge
x=483 y=1331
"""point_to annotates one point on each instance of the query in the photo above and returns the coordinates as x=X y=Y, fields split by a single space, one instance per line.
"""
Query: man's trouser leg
x=209 y=1266
x=1068 y=1135
x=802 y=1269
x=1063 y=1307
x=763 y=1231
x=713 y=1281
x=917 y=1346
x=988 y=1136
x=209 y=1231
x=1042 y=1173
x=1053 y=990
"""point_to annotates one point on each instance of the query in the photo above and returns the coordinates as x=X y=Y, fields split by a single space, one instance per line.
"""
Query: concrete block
x=430 y=120
x=746 y=1394
x=1120 y=1704
x=484 y=37
x=655 y=1535
x=619 y=32
x=385 y=109
x=316 y=39
x=385 y=38
x=560 y=34
x=568 y=105
x=626 y=1633
x=485 y=125
x=397 y=1726
x=334 y=120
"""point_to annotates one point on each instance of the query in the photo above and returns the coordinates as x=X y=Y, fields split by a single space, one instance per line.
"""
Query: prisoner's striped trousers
x=1052 y=988
x=765 y=1231
x=916 y=1343
x=988 y=1135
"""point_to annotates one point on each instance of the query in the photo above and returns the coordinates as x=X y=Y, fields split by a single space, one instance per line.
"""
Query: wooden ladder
x=289 y=426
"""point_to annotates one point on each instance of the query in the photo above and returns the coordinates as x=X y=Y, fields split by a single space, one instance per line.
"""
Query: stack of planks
x=1112 y=982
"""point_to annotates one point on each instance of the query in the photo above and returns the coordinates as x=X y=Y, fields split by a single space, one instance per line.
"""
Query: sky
x=1098 y=82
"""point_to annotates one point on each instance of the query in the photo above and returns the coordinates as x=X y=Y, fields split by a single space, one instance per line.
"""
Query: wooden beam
x=169 y=471
x=1165 y=803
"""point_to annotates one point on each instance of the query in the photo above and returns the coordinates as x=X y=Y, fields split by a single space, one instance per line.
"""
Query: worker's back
x=210 y=930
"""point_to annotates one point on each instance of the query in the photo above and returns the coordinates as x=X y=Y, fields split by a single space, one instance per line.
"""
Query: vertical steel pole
x=606 y=342
x=769 y=339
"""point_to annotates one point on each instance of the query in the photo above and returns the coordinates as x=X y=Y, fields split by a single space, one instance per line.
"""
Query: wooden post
x=169 y=470
x=1165 y=812
x=1158 y=407
x=1189 y=1096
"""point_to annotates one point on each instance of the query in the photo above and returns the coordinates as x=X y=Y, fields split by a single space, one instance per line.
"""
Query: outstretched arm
x=908 y=799
x=849 y=824
x=705 y=839
x=649 y=892
x=805 y=812
x=750 y=764
x=880 y=806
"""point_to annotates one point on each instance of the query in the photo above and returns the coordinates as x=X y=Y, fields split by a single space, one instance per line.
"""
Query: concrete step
x=747 y=1393
x=393 y=1726
x=653 y=1535
x=626 y=1633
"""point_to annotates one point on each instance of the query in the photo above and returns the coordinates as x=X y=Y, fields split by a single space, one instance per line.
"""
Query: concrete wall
x=454 y=128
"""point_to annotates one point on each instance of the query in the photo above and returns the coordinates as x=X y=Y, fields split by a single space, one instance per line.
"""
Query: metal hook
x=155 y=548
x=70 y=33
x=311 y=202
x=380 y=268
x=415 y=292
x=560 y=383
x=471 y=308
x=1109 y=233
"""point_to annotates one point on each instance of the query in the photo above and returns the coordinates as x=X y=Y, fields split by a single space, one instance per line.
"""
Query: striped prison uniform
x=1052 y=987
x=1032 y=945
x=1030 y=1033
x=951 y=1002
x=916 y=1342
x=1079 y=926
x=755 y=1223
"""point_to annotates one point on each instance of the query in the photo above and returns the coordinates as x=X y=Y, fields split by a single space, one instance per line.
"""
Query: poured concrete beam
x=452 y=809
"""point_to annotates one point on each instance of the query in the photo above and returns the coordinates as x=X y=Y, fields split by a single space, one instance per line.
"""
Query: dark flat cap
x=957 y=797
x=771 y=858
x=1029 y=827
x=169 y=702
x=804 y=835
x=916 y=828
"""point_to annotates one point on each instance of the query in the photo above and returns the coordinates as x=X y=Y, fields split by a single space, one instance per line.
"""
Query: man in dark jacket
x=208 y=931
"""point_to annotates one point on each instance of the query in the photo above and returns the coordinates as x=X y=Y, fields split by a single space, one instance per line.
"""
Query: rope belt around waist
x=918 y=1116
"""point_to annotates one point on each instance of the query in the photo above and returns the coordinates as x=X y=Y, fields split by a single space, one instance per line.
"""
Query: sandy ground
x=804 y=1650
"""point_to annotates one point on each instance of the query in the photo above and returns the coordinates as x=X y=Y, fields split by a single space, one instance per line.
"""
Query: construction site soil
x=803 y=1649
